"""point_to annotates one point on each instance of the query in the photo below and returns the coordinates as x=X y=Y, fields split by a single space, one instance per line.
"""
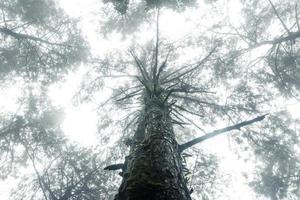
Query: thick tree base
x=154 y=172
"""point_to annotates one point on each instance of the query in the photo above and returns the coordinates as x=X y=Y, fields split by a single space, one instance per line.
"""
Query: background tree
x=38 y=41
x=39 y=45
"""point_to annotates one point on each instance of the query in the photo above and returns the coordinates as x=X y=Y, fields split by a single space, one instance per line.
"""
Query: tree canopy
x=216 y=64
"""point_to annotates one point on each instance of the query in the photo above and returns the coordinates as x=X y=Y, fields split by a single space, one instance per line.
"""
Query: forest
x=149 y=100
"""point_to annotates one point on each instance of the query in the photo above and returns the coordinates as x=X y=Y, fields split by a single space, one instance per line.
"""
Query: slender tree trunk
x=153 y=169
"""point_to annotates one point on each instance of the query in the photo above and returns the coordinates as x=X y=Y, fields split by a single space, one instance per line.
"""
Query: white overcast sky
x=83 y=118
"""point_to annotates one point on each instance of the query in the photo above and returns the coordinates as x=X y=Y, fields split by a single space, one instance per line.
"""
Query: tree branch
x=238 y=126
x=292 y=36
x=191 y=121
x=156 y=47
x=114 y=167
x=19 y=36
x=297 y=20
x=129 y=95
x=188 y=111
x=162 y=67
x=193 y=68
x=140 y=66
x=283 y=24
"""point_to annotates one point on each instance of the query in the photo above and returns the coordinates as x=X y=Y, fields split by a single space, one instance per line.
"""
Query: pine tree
x=154 y=168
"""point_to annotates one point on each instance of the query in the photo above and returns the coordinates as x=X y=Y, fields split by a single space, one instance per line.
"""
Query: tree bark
x=153 y=169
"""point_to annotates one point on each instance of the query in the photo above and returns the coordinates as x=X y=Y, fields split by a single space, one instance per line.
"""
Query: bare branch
x=283 y=24
x=132 y=94
x=292 y=36
x=162 y=66
x=167 y=96
x=116 y=95
x=143 y=83
x=114 y=167
x=297 y=19
x=197 y=100
x=178 y=116
x=218 y=132
x=156 y=46
x=20 y=36
x=131 y=121
x=188 y=111
x=193 y=68
x=195 y=90
x=140 y=66
x=191 y=121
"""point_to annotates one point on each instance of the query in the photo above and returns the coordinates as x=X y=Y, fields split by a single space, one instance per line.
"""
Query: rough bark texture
x=153 y=170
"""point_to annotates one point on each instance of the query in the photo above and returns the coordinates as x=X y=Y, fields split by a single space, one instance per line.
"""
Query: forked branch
x=238 y=126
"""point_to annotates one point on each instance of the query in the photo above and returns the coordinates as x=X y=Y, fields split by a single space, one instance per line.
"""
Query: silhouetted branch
x=215 y=105
x=114 y=167
x=168 y=95
x=218 y=132
x=283 y=24
x=162 y=66
x=118 y=94
x=291 y=37
x=156 y=47
x=191 y=121
x=131 y=121
x=143 y=83
x=181 y=122
x=19 y=36
x=140 y=66
x=188 y=111
x=297 y=19
x=191 y=91
x=193 y=68
x=129 y=95
x=196 y=100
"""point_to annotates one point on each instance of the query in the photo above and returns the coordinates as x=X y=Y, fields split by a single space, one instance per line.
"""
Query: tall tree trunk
x=153 y=169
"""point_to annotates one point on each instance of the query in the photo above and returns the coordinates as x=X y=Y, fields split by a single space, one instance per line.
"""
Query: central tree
x=154 y=168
